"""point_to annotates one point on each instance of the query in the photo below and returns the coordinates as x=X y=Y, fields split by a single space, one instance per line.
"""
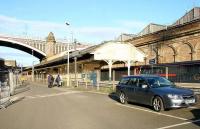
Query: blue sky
x=91 y=21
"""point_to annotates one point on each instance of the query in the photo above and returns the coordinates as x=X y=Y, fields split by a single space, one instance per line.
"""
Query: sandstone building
x=176 y=47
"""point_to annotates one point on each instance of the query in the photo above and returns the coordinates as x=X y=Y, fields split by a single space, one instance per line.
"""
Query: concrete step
x=21 y=89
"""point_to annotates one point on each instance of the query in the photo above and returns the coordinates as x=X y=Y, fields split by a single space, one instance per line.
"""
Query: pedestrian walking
x=50 y=80
x=58 y=80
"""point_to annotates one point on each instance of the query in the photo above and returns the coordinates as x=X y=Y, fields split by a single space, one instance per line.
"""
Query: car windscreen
x=159 y=82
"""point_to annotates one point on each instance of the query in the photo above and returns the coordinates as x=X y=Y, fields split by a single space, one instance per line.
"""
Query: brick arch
x=197 y=51
x=168 y=54
x=185 y=52
x=190 y=45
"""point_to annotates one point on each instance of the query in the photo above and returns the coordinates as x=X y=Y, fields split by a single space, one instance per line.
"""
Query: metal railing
x=86 y=85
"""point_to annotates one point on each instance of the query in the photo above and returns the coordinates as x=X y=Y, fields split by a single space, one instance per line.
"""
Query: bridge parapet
x=43 y=45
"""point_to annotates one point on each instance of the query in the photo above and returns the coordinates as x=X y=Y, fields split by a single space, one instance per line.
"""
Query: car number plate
x=189 y=101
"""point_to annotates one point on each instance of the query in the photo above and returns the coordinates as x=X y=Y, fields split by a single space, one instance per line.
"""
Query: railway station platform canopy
x=110 y=52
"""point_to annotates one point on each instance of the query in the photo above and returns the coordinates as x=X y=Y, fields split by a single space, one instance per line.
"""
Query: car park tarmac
x=57 y=109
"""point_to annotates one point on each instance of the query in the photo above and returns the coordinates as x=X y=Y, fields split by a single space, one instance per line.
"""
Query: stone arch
x=185 y=52
x=168 y=55
x=197 y=52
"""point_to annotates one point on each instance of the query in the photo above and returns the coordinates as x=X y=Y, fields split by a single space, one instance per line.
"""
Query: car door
x=122 y=86
x=130 y=89
x=142 y=95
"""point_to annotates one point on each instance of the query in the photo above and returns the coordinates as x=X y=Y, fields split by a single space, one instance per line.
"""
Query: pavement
x=62 y=108
x=189 y=85
x=21 y=88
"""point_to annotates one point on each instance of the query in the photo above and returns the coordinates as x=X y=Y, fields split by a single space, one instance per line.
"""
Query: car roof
x=142 y=75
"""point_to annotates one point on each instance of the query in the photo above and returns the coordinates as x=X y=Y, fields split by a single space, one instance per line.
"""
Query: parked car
x=155 y=91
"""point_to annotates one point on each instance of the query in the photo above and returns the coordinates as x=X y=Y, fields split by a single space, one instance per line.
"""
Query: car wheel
x=158 y=104
x=123 y=98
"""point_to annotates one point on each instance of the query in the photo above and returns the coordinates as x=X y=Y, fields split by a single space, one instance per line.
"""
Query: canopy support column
x=110 y=63
x=129 y=66
x=110 y=69
x=128 y=63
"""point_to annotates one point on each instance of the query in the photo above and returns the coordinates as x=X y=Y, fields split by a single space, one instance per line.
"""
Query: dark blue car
x=155 y=91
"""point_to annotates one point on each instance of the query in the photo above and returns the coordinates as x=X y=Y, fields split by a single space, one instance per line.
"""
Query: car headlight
x=174 y=96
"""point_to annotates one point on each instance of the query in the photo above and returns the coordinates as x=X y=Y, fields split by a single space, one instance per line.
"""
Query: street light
x=32 y=68
x=67 y=59
x=75 y=65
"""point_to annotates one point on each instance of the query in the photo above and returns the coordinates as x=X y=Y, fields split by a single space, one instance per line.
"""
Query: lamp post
x=32 y=77
x=75 y=65
x=67 y=59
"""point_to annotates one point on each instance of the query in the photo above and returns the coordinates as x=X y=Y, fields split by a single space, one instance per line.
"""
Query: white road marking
x=30 y=97
x=175 y=125
x=193 y=107
x=180 y=118
x=97 y=92
x=51 y=95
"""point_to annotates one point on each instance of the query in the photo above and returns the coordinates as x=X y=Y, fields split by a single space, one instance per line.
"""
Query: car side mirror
x=144 y=86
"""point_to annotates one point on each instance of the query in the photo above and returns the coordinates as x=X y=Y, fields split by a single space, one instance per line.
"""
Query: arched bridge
x=23 y=47
x=37 y=48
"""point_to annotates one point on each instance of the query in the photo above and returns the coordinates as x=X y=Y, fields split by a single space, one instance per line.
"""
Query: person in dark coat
x=58 y=80
x=50 y=80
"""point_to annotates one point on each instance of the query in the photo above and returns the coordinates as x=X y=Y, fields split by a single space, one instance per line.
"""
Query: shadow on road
x=196 y=114
x=114 y=97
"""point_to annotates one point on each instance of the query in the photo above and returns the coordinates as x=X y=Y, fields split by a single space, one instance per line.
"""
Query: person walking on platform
x=50 y=80
x=58 y=80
